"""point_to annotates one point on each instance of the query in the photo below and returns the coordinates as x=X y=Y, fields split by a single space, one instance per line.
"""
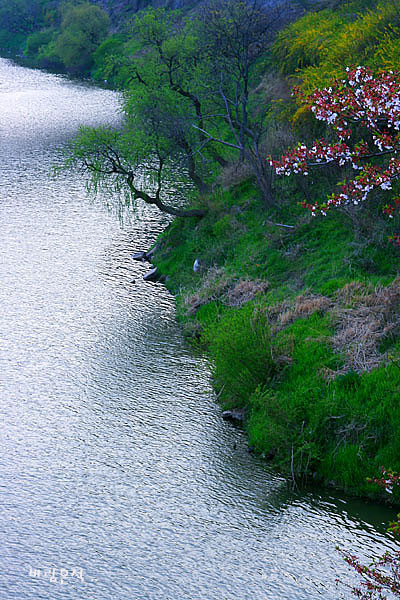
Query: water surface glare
x=116 y=470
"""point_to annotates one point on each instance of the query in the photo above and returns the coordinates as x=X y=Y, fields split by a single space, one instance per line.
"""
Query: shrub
x=110 y=48
x=36 y=40
x=320 y=45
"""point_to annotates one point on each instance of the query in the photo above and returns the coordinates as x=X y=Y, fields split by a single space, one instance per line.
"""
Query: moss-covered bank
x=302 y=325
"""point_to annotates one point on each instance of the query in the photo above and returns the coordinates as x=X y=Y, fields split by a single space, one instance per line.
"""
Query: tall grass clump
x=241 y=347
x=312 y=421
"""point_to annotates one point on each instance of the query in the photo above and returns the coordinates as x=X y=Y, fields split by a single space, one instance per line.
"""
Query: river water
x=118 y=478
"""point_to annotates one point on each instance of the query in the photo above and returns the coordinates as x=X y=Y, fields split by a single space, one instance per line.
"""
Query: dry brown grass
x=305 y=305
x=363 y=316
x=216 y=284
x=213 y=284
x=245 y=290
x=283 y=314
x=366 y=323
x=353 y=292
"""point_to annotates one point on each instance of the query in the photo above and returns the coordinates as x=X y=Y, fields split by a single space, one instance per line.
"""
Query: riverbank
x=302 y=326
x=299 y=314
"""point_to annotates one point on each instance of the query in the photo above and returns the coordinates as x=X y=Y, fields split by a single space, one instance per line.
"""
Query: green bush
x=36 y=40
x=83 y=28
x=48 y=58
x=110 y=48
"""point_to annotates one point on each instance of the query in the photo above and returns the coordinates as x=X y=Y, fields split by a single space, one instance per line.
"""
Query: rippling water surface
x=116 y=470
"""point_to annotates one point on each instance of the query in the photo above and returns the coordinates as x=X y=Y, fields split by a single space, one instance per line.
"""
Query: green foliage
x=171 y=106
x=92 y=145
x=359 y=39
x=292 y=409
x=241 y=349
x=319 y=46
x=19 y=19
x=108 y=51
x=223 y=227
x=11 y=42
x=21 y=16
x=36 y=41
x=306 y=42
x=387 y=52
x=83 y=28
x=48 y=58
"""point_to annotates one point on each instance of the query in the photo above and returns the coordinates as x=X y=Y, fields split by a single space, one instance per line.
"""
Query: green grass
x=339 y=430
x=307 y=412
x=343 y=430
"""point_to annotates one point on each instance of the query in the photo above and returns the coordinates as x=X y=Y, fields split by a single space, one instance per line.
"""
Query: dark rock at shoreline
x=139 y=256
x=236 y=415
x=154 y=276
x=145 y=256
x=149 y=255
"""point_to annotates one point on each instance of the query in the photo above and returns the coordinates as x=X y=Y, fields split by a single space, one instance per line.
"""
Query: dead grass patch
x=305 y=305
x=361 y=328
x=353 y=292
x=216 y=284
x=283 y=314
x=244 y=290
x=364 y=317
x=213 y=284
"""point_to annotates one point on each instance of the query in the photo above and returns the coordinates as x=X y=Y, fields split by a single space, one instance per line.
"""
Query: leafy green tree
x=132 y=161
x=187 y=98
x=210 y=64
x=21 y=16
x=83 y=28
x=161 y=104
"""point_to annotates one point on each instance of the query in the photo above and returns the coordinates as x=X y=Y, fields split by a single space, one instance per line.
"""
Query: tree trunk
x=169 y=210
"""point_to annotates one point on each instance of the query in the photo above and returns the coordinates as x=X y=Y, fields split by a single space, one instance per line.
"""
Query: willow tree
x=157 y=139
x=186 y=103
x=137 y=161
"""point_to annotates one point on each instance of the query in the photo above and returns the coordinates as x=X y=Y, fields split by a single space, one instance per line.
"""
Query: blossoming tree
x=359 y=103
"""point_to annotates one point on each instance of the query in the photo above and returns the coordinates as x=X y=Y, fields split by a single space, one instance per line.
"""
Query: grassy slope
x=270 y=304
x=303 y=325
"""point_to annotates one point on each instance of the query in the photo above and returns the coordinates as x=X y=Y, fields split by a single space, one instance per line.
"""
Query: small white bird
x=196 y=265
